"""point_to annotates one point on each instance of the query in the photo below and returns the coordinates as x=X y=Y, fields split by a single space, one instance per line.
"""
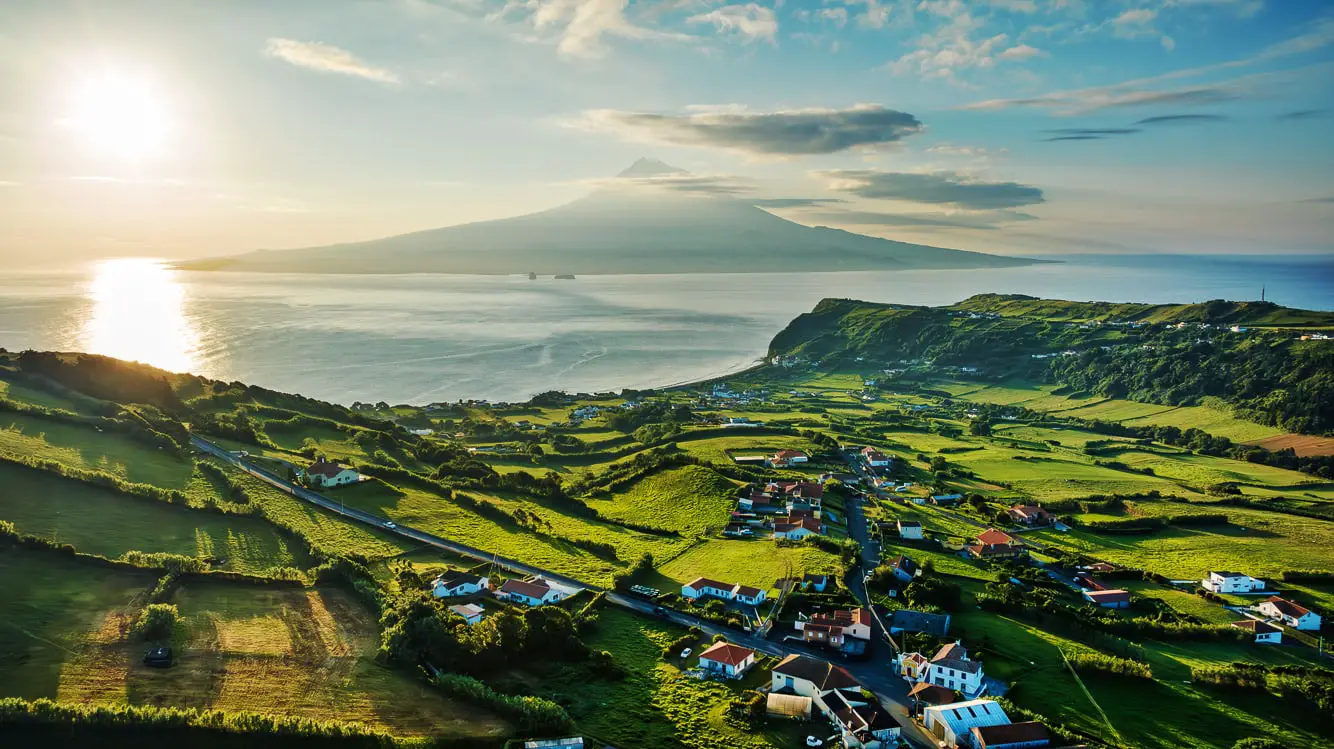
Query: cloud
x=326 y=58
x=581 y=25
x=1113 y=97
x=794 y=132
x=750 y=21
x=1182 y=119
x=985 y=220
x=681 y=182
x=1133 y=22
x=876 y=15
x=1089 y=133
x=1319 y=200
x=943 y=188
x=794 y=202
x=1301 y=114
x=1022 y=52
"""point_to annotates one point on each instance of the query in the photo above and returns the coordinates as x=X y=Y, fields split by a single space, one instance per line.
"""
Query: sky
x=184 y=128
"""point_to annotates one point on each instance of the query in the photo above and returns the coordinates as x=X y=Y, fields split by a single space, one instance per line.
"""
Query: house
x=725 y=658
x=1231 y=582
x=907 y=620
x=1264 y=631
x=803 y=528
x=1030 y=515
x=913 y=667
x=951 y=668
x=703 y=586
x=864 y=726
x=905 y=569
x=836 y=628
x=785 y=458
x=459 y=583
x=924 y=694
x=757 y=502
x=471 y=612
x=910 y=529
x=953 y=724
x=1289 y=613
x=1030 y=733
x=945 y=499
x=576 y=742
x=328 y=474
x=535 y=591
x=1108 y=599
x=1101 y=567
x=831 y=688
x=815 y=582
x=875 y=458
x=748 y=595
x=994 y=544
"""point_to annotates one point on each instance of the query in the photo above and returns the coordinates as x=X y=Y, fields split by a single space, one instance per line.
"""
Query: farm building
x=953 y=724
x=1011 y=736
x=1108 y=599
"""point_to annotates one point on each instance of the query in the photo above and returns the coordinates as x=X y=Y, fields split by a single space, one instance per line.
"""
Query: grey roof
x=920 y=621
x=968 y=667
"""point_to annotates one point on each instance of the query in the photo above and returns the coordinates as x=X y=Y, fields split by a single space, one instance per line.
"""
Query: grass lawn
x=689 y=500
x=1261 y=543
x=98 y=521
x=87 y=448
x=758 y=563
x=655 y=707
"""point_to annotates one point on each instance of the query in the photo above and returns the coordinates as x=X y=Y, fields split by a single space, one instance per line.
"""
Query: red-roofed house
x=1297 y=617
x=784 y=458
x=1108 y=599
x=800 y=529
x=875 y=458
x=535 y=591
x=1029 y=515
x=726 y=658
x=326 y=474
x=835 y=627
x=993 y=544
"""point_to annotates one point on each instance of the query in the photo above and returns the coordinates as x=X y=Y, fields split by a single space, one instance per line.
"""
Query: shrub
x=157 y=622
x=1087 y=662
x=532 y=714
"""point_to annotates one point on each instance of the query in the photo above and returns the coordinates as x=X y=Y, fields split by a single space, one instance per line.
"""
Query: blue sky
x=183 y=129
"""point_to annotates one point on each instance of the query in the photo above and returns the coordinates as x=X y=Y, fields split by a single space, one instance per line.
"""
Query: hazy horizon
x=1028 y=127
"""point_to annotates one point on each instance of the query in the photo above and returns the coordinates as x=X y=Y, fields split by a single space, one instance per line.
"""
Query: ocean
x=426 y=338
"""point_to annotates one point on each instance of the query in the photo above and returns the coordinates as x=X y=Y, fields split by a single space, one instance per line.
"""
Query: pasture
x=758 y=563
x=690 y=500
x=84 y=447
x=99 y=521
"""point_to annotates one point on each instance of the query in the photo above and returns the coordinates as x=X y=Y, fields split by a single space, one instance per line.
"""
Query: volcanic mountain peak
x=646 y=167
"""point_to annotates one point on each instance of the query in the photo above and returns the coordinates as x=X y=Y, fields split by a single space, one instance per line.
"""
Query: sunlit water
x=426 y=338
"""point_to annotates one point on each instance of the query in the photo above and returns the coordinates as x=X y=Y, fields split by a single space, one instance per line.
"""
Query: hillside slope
x=1169 y=354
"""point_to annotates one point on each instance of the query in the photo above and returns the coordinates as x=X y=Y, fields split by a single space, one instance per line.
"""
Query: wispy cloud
x=750 y=21
x=944 y=188
x=794 y=202
x=679 y=182
x=794 y=132
x=1329 y=199
x=579 y=28
x=983 y=220
x=1302 y=114
x=1182 y=119
x=326 y=58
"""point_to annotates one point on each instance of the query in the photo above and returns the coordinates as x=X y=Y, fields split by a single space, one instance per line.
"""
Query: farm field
x=99 y=521
x=84 y=447
x=689 y=500
x=758 y=563
x=716 y=449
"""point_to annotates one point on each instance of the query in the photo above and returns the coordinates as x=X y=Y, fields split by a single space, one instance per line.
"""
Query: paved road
x=874 y=675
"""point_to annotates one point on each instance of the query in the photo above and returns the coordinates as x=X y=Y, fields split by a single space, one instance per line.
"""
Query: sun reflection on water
x=138 y=313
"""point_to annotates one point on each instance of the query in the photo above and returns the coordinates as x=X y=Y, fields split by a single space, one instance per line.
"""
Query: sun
x=120 y=116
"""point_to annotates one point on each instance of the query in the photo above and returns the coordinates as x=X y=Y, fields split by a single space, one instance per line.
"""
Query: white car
x=814 y=741
x=686 y=653
x=390 y=524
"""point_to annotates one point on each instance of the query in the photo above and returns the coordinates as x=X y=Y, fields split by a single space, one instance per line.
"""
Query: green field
x=758 y=563
x=690 y=500
x=290 y=651
x=99 y=521
x=87 y=448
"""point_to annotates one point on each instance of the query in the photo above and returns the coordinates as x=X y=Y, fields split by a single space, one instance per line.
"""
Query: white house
x=457 y=583
x=830 y=688
x=725 y=658
x=471 y=612
x=797 y=530
x=836 y=627
x=910 y=529
x=535 y=591
x=905 y=569
x=953 y=724
x=1231 y=582
x=1289 y=613
x=748 y=595
x=325 y=474
x=784 y=458
x=1264 y=631
x=950 y=668
x=705 y=587
x=875 y=458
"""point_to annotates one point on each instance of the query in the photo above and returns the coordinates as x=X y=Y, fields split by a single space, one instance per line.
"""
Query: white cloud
x=1168 y=43
x=1022 y=52
x=326 y=58
x=751 y=21
x=836 y=16
x=582 y=25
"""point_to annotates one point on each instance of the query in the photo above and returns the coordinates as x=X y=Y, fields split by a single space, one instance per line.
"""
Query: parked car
x=686 y=653
x=159 y=657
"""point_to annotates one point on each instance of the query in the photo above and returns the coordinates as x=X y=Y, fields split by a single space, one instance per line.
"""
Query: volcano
x=651 y=218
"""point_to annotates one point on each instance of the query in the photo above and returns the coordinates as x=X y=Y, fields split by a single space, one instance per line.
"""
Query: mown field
x=84 y=447
x=99 y=521
x=303 y=652
x=689 y=500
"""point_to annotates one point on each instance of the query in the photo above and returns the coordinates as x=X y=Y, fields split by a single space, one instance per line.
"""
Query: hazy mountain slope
x=618 y=231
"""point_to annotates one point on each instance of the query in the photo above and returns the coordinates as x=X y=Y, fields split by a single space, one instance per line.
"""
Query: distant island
x=640 y=225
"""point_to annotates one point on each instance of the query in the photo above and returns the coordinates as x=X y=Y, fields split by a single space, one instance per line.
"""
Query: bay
x=426 y=338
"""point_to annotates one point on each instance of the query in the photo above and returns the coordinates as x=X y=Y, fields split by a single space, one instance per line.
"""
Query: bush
x=157 y=622
x=1090 y=662
x=532 y=714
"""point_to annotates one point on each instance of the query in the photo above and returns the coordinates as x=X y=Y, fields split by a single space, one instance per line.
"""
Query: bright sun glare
x=138 y=313
x=120 y=116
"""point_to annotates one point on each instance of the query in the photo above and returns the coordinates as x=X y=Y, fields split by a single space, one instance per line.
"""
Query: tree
x=979 y=427
x=157 y=622
x=939 y=464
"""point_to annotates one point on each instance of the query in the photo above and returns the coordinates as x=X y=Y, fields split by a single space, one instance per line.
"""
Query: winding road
x=876 y=676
